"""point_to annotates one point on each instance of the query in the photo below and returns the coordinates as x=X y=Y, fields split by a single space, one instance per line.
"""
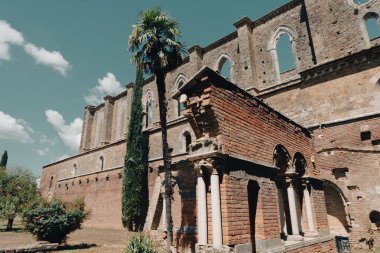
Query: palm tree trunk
x=160 y=81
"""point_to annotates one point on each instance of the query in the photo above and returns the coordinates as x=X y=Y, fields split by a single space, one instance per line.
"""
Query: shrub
x=140 y=243
x=54 y=221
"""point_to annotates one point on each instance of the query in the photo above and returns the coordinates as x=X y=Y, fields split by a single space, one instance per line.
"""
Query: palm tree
x=154 y=42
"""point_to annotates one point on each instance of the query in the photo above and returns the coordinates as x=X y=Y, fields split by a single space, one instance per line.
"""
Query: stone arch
x=299 y=164
x=272 y=46
x=149 y=108
x=182 y=140
x=337 y=209
x=180 y=80
x=281 y=158
x=221 y=60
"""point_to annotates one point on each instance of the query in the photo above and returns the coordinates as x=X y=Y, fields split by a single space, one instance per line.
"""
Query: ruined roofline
x=276 y=12
x=207 y=72
x=85 y=153
x=331 y=66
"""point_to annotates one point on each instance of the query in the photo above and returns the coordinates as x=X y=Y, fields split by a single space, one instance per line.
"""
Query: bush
x=140 y=243
x=54 y=221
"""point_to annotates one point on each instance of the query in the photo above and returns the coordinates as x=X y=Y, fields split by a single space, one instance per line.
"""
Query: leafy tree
x=4 y=159
x=18 y=189
x=154 y=41
x=53 y=221
x=133 y=181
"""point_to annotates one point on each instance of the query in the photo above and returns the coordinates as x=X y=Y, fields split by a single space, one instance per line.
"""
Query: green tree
x=4 y=159
x=155 y=44
x=133 y=181
x=18 y=189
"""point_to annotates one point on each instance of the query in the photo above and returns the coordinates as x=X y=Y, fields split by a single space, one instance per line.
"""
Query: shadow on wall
x=253 y=195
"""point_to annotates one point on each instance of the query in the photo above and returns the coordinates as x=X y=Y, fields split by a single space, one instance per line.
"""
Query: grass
x=92 y=240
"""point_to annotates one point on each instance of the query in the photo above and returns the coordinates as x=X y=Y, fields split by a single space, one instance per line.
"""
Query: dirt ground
x=83 y=240
x=90 y=240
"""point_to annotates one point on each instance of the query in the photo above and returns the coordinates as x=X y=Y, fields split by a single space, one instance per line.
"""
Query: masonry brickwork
x=326 y=108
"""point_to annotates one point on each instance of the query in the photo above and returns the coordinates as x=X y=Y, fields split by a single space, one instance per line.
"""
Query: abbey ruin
x=266 y=160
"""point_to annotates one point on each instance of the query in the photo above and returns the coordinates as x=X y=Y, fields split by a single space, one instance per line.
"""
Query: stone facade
x=333 y=93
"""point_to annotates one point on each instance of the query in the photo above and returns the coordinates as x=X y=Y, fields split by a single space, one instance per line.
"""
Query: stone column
x=309 y=212
x=281 y=212
x=164 y=226
x=293 y=212
x=216 y=212
x=202 y=211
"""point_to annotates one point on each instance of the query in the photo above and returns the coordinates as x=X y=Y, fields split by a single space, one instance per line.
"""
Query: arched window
x=374 y=217
x=74 y=170
x=281 y=158
x=285 y=53
x=121 y=120
x=99 y=128
x=224 y=66
x=360 y=1
x=372 y=25
x=177 y=105
x=100 y=165
x=187 y=140
x=148 y=109
x=299 y=164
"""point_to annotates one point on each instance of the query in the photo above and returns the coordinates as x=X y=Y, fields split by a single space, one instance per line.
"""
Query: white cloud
x=43 y=151
x=69 y=133
x=8 y=36
x=14 y=129
x=45 y=140
x=108 y=85
x=53 y=59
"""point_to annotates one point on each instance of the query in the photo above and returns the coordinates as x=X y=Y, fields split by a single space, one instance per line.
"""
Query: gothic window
x=285 y=53
x=360 y=1
x=121 y=120
x=100 y=165
x=372 y=25
x=181 y=106
x=99 y=128
x=281 y=158
x=299 y=164
x=187 y=140
x=148 y=109
x=224 y=66
x=74 y=170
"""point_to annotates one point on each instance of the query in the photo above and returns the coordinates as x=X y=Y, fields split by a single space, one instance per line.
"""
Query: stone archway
x=336 y=206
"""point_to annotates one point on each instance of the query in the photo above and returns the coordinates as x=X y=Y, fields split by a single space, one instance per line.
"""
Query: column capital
x=209 y=166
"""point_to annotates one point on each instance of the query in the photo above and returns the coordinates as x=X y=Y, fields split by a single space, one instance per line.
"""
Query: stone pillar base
x=209 y=249
x=295 y=238
x=311 y=234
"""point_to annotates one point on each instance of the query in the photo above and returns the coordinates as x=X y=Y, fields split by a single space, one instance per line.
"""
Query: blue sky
x=58 y=56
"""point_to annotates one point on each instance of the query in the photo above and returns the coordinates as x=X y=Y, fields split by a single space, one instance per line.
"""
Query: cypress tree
x=133 y=180
x=4 y=159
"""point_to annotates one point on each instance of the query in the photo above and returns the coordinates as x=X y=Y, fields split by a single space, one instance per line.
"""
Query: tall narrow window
x=285 y=53
x=149 y=109
x=372 y=26
x=100 y=164
x=187 y=140
x=74 y=170
x=181 y=106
